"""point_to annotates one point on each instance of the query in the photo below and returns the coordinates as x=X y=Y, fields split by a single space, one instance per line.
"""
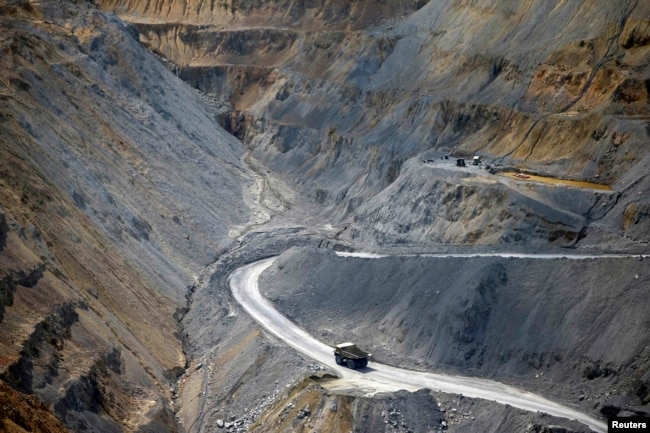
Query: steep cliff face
x=312 y=14
x=104 y=227
x=338 y=97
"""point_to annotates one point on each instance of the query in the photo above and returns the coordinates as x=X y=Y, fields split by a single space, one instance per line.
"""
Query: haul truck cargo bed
x=350 y=355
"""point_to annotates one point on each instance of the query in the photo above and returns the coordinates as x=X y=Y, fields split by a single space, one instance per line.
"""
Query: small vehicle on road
x=351 y=356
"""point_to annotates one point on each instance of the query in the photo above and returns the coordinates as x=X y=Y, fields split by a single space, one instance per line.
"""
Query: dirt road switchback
x=379 y=377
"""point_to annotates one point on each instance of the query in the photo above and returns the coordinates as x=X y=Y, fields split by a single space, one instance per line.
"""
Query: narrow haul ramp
x=384 y=378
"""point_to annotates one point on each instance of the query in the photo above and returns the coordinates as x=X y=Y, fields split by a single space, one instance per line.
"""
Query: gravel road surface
x=379 y=377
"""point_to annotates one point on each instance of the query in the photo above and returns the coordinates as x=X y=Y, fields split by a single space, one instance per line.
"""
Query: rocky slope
x=22 y=414
x=117 y=187
x=469 y=206
x=552 y=325
x=338 y=98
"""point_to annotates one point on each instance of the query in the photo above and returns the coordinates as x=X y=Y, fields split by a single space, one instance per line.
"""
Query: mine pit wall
x=337 y=110
x=117 y=188
x=561 y=327
x=282 y=13
x=69 y=337
x=317 y=122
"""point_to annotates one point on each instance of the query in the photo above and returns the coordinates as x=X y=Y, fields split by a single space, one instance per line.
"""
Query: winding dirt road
x=379 y=377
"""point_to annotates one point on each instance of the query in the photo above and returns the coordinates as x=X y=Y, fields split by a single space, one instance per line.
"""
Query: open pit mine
x=324 y=216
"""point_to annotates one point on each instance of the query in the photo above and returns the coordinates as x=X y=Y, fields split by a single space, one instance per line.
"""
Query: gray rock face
x=141 y=155
x=437 y=203
x=342 y=107
x=542 y=322
x=118 y=187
